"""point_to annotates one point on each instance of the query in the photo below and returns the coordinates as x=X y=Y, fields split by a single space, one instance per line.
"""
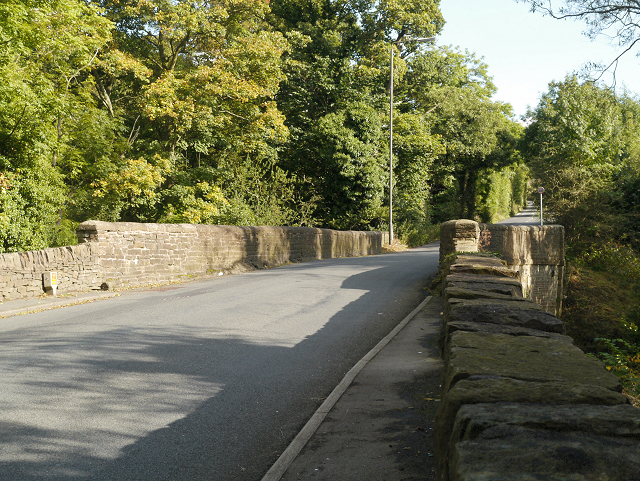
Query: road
x=207 y=380
x=528 y=216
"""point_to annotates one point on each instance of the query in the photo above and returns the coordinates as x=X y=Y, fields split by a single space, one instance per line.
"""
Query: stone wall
x=21 y=273
x=520 y=401
x=120 y=254
x=535 y=252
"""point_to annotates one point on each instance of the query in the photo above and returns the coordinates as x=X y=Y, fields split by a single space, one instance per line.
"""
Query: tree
x=335 y=92
x=193 y=83
x=617 y=19
x=576 y=143
x=453 y=90
x=46 y=115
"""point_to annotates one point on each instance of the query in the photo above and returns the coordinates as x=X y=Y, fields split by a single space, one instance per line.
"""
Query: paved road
x=203 y=381
x=528 y=216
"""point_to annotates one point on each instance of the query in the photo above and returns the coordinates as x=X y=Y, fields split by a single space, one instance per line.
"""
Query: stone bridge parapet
x=520 y=401
x=535 y=252
x=119 y=254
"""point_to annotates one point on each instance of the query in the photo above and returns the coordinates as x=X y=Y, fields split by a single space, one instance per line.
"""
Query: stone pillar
x=458 y=236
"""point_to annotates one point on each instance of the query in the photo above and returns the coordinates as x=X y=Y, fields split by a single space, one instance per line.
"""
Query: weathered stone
x=519 y=357
x=483 y=270
x=135 y=254
x=473 y=278
x=470 y=326
x=485 y=389
x=458 y=293
x=455 y=303
x=478 y=259
x=494 y=287
x=527 y=442
x=504 y=314
x=458 y=236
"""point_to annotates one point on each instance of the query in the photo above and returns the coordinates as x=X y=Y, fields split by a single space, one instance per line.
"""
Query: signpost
x=50 y=282
x=540 y=191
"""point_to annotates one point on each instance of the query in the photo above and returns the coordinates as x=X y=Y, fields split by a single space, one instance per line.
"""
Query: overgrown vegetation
x=582 y=146
x=242 y=112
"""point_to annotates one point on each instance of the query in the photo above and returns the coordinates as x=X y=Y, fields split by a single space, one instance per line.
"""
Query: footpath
x=378 y=424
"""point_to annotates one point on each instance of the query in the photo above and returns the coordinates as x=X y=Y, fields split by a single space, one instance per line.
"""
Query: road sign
x=540 y=190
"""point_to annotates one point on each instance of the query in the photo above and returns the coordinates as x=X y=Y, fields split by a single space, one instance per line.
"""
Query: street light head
x=408 y=39
x=423 y=39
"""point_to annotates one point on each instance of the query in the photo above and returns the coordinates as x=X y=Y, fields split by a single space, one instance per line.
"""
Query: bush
x=617 y=259
x=623 y=360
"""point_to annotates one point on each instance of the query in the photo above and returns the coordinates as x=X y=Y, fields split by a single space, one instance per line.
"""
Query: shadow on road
x=151 y=403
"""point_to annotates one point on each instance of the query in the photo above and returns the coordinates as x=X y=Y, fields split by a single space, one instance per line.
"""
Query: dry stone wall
x=520 y=401
x=111 y=255
x=21 y=273
x=535 y=252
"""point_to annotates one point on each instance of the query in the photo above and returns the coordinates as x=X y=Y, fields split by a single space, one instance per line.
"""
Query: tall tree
x=453 y=90
x=617 y=19
x=46 y=114
x=576 y=144
x=337 y=74
x=194 y=83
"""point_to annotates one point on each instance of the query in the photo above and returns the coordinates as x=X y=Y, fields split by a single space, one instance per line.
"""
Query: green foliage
x=347 y=161
x=581 y=139
x=29 y=209
x=619 y=259
x=243 y=112
x=623 y=360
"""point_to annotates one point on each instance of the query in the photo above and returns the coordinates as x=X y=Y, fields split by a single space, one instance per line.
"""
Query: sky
x=525 y=51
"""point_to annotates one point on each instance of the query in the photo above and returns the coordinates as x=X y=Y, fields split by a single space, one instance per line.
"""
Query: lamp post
x=417 y=40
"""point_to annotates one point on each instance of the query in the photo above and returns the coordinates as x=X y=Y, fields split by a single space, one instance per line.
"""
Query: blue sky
x=525 y=51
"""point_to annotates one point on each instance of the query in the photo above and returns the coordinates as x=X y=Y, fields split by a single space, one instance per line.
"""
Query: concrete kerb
x=26 y=306
x=278 y=469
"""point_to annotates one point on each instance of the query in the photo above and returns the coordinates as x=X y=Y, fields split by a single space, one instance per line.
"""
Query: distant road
x=528 y=216
x=208 y=380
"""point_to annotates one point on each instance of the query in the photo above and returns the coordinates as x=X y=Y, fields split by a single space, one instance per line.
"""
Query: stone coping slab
x=514 y=303
x=473 y=278
x=483 y=270
x=521 y=357
x=491 y=287
x=487 y=389
x=477 y=293
x=470 y=326
x=528 y=441
x=508 y=315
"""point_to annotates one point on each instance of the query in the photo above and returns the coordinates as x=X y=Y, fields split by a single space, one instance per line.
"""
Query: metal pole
x=541 y=208
x=391 y=152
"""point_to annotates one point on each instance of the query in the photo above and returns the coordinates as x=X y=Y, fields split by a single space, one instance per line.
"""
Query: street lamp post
x=417 y=40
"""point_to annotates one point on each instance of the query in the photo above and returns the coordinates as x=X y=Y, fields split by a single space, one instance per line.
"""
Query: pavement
x=377 y=424
x=44 y=302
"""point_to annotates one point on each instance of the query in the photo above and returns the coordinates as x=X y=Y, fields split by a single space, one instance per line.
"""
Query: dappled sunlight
x=62 y=402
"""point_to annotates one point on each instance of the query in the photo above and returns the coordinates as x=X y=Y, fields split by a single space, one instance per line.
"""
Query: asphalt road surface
x=528 y=216
x=208 y=380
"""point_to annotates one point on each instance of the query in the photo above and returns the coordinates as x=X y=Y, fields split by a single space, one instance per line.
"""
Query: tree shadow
x=182 y=403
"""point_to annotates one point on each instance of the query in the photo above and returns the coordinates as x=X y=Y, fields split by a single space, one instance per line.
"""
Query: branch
x=19 y=121
x=235 y=115
x=615 y=61
x=438 y=104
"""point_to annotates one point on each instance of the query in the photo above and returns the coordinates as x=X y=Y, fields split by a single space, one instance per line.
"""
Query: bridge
x=519 y=401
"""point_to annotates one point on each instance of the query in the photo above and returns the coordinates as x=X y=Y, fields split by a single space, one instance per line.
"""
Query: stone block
x=518 y=304
x=524 y=358
x=520 y=315
x=477 y=293
x=505 y=289
x=529 y=442
x=482 y=270
x=485 y=389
